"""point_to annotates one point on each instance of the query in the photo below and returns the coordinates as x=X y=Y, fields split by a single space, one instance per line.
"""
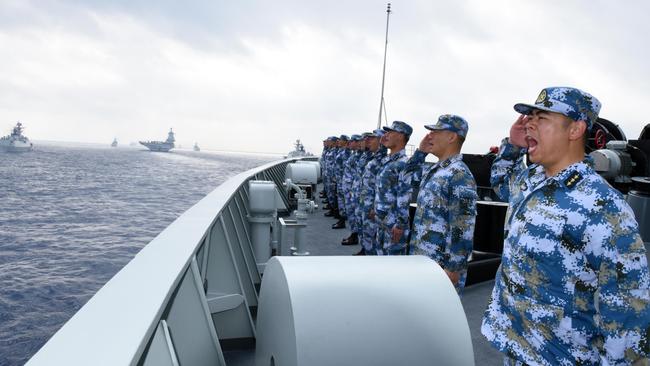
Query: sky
x=254 y=76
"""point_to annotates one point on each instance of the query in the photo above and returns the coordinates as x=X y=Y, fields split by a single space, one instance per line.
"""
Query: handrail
x=115 y=326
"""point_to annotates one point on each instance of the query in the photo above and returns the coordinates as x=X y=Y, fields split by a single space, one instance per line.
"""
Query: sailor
x=391 y=238
x=341 y=158
x=367 y=192
x=573 y=285
x=330 y=168
x=335 y=175
x=443 y=225
x=323 y=164
x=349 y=176
x=327 y=170
x=355 y=182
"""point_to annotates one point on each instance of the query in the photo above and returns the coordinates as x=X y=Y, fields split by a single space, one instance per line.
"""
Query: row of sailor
x=573 y=286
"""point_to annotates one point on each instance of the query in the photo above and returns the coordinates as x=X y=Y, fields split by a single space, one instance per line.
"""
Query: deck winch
x=625 y=164
x=305 y=176
x=304 y=206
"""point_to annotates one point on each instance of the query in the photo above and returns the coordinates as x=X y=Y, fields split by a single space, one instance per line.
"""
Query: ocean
x=71 y=216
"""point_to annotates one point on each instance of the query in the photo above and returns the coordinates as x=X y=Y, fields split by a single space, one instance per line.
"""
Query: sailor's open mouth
x=532 y=144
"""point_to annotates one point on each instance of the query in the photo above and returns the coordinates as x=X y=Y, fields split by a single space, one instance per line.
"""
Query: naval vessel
x=254 y=275
x=16 y=141
x=163 y=146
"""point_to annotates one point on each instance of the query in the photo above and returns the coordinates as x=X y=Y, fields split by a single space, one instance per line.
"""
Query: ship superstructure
x=298 y=151
x=163 y=146
x=16 y=141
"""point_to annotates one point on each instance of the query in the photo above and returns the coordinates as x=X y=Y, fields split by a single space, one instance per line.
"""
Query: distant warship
x=16 y=142
x=299 y=150
x=161 y=145
x=196 y=147
x=114 y=143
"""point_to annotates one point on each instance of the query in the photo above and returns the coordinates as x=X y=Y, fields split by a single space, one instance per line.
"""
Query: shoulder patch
x=573 y=179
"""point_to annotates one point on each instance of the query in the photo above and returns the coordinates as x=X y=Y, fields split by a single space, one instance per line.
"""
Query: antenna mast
x=383 y=75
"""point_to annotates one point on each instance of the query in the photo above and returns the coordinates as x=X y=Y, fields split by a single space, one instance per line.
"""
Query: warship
x=163 y=146
x=16 y=141
x=114 y=143
x=253 y=275
x=298 y=150
x=196 y=147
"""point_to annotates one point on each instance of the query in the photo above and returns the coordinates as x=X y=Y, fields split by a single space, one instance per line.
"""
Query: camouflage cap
x=450 y=122
x=401 y=127
x=332 y=138
x=378 y=132
x=344 y=137
x=367 y=134
x=571 y=102
x=355 y=137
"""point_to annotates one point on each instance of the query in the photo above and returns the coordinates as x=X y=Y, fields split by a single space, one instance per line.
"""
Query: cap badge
x=541 y=97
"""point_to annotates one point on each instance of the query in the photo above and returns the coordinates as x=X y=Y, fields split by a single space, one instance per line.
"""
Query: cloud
x=254 y=76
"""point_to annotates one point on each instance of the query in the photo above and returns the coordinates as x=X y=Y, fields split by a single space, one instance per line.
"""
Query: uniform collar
x=400 y=154
x=572 y=175
x=452 y=159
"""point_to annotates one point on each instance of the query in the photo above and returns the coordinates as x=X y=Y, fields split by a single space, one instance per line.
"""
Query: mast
x=383 y=75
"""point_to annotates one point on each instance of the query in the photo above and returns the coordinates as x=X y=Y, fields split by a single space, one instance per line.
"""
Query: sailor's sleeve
x=408 y=176
x=623 y=296
x=506 y=166
x=462 y=218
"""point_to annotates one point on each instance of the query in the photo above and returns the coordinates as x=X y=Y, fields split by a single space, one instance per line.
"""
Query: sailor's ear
x=577 y=130
x=452 y=137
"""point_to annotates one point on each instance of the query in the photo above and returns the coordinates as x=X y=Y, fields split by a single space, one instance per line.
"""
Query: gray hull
x=157 y=145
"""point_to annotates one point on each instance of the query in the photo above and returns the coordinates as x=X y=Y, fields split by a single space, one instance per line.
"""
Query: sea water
x=72 y=216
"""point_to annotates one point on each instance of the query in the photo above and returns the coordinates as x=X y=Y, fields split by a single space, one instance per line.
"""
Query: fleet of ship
x=16 y=141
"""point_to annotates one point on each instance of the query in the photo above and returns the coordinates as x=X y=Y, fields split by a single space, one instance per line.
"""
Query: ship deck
x=323 y=240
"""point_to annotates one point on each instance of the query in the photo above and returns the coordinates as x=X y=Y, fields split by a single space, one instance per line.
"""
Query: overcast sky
x=256 y=75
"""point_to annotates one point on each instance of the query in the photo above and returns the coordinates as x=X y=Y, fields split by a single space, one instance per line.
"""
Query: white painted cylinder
x=301 y=173
x=392 y=310
x=261 y=197
x=314 y=163
x=261 y=240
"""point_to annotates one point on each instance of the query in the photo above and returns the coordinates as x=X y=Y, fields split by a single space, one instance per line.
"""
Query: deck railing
x=191 y=291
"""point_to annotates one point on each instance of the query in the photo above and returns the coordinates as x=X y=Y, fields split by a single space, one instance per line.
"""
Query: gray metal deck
x=323 y=240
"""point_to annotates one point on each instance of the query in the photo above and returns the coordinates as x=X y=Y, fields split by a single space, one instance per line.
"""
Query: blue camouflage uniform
x=364 y=159
x=367 y=198
x=326 y=159
x=388 y=212
x=349 y=176
x=332 y=200
x=573 y=286
x=339 y=166
x=443 y=225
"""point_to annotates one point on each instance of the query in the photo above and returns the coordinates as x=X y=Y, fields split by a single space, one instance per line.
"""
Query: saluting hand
x=423 y=144
x=518 y=131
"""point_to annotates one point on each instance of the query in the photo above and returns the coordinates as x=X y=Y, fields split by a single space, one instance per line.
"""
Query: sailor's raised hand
x=518 y=131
